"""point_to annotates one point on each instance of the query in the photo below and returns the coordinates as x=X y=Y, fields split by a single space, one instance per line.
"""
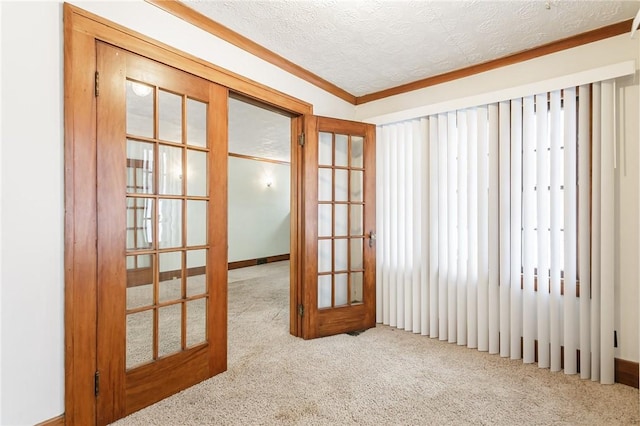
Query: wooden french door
x=162 y=231
x=338 y=227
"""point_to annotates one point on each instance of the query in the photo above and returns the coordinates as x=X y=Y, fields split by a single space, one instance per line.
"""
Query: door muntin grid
x=167 y=217
x=341 y=209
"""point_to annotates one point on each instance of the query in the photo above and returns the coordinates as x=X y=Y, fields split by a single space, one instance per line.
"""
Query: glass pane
x=356 y=219
x=139 y=223
x=356 y=287
x=169 y=329
x=196 y=322
x=170 y=170
x=196 y=123
x=139 y=281
x=324 y=291
x=341 y=254
x=342 y=219
x=356 y=253
x=170 y=223
x=196 y=173
x=196 y=272
x=324 y=220
x=357 y=149
x=196 y=223
x=170 y=117
x=135 y=262
x=324 y=256
x=356 y=185
x=342 y=185
x=139 y=346
x=170 y=276
x=139 y=109
x=325 y=150
x=341 y=289
x=324 y=185
x=139 y=167
x=342 y=147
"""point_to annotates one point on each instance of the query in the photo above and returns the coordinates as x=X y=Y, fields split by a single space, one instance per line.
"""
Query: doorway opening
x=259 y=207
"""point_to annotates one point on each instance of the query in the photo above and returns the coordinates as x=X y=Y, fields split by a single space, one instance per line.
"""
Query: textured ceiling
x=365 y=46
x=258 y=132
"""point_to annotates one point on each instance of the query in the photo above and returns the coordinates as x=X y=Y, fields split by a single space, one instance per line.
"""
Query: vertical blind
x=495 y=228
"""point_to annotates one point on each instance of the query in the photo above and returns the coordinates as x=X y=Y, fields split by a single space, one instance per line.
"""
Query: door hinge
x=97 y=84
x=301 y=310
x=301 y=139
x=96 y=383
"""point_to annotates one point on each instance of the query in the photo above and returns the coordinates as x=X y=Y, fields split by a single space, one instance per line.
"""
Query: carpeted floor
x=383 y=376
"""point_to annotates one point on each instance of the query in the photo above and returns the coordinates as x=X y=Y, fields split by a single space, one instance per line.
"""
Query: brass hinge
x=97 y=84
x=301 y=310
x=96 y=383
x=301 y=139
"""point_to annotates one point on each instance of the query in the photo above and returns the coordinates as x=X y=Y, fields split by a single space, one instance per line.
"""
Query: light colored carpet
x=383 y=376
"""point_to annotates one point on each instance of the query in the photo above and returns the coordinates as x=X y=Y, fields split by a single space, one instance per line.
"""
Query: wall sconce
x=266 y=177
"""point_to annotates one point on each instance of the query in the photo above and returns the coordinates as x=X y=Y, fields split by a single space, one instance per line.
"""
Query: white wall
x=1 y=38
x=32 y=238
x=258 y=214
x=32 y=370
x=496 y=83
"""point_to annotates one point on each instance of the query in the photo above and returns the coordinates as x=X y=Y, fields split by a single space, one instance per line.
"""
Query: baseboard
x=259 y=261
x=627 y=373
x=56 y=421
x=143 y=276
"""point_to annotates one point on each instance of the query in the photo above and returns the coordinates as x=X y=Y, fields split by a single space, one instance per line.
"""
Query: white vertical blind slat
x=461 y=308
x=443 y=227
x=505 y=227
x=404 y=299
x=452 y=213
x=542 y=194
x=416 y=144
x=472 y=231
x=393 y=231
x=380 y=220
x=400 y=189
x=434 y=227
x=386 y=226
x=528 y=225
x=408 y=227
x=483 y=230
x=607 y=231
x=516 y=227
x=425 y=235
x=493 y=227
x=570 y=237
x=584 y=237
x=595 y=230
x=555 y=222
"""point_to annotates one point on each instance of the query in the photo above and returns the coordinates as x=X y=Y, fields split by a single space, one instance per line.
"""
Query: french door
x=337 y=201
x=162 y=218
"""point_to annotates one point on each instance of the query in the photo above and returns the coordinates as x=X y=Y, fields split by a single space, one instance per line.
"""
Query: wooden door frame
x=82 y=30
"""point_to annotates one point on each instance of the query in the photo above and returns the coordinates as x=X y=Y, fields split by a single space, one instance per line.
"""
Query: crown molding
x=180 y=10
x=193 y=17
